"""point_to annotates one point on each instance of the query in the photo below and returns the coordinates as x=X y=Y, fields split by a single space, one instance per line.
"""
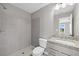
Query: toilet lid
x=38 y=50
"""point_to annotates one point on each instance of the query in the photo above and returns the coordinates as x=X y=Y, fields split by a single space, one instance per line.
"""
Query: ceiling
x=30 y=7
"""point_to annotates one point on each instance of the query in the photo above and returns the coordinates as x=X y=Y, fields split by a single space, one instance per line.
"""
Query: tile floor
x=23 y=52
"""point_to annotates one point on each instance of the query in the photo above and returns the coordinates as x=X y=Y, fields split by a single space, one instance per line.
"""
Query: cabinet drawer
x=63 y=49
x=50 y=52
x=55 y=52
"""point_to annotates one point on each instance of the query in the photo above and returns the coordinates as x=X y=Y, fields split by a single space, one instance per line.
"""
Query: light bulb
x=63 y=5
x=57 y=7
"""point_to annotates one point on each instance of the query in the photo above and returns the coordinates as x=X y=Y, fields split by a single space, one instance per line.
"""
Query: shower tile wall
x=15 y=29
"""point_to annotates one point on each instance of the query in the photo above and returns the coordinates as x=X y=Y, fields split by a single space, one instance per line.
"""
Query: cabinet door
x=63 y=49
x=54 y=52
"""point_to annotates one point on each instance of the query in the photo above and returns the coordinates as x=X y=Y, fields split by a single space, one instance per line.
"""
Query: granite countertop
x=68 y=42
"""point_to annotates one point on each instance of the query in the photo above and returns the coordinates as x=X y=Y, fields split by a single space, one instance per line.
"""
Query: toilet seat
x=38 y=51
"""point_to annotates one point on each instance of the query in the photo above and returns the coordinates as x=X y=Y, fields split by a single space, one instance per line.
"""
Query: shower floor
x=23 y=52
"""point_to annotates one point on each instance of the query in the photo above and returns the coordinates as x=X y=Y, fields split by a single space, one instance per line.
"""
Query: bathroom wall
x=45 y=15
x=76 y=20
x=47 y=21
x=35 y=31
x=15 y=29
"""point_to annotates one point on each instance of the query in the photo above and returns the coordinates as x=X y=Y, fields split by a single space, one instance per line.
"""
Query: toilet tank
x=43 y=42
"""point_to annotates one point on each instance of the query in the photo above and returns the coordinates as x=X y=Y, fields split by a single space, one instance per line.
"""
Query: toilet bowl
x=38 y=51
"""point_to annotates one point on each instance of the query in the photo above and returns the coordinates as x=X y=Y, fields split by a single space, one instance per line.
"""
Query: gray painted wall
x=15 y=29
x=76 y=20
x=47 y=23
x=45 y=16
x=35 y=31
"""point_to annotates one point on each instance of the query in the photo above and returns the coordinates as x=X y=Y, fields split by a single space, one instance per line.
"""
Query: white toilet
x=38 y=51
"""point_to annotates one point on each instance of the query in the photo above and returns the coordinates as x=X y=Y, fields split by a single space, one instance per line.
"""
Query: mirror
x=63 y=21
x=65 y=25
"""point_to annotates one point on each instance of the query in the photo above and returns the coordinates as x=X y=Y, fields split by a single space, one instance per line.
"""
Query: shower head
x=2 y=6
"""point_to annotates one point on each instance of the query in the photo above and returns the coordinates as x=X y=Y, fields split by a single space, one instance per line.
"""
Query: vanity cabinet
x=56 y=49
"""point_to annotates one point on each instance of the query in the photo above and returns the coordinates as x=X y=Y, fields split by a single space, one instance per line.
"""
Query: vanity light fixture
x=57 y=7
x=62 y=5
